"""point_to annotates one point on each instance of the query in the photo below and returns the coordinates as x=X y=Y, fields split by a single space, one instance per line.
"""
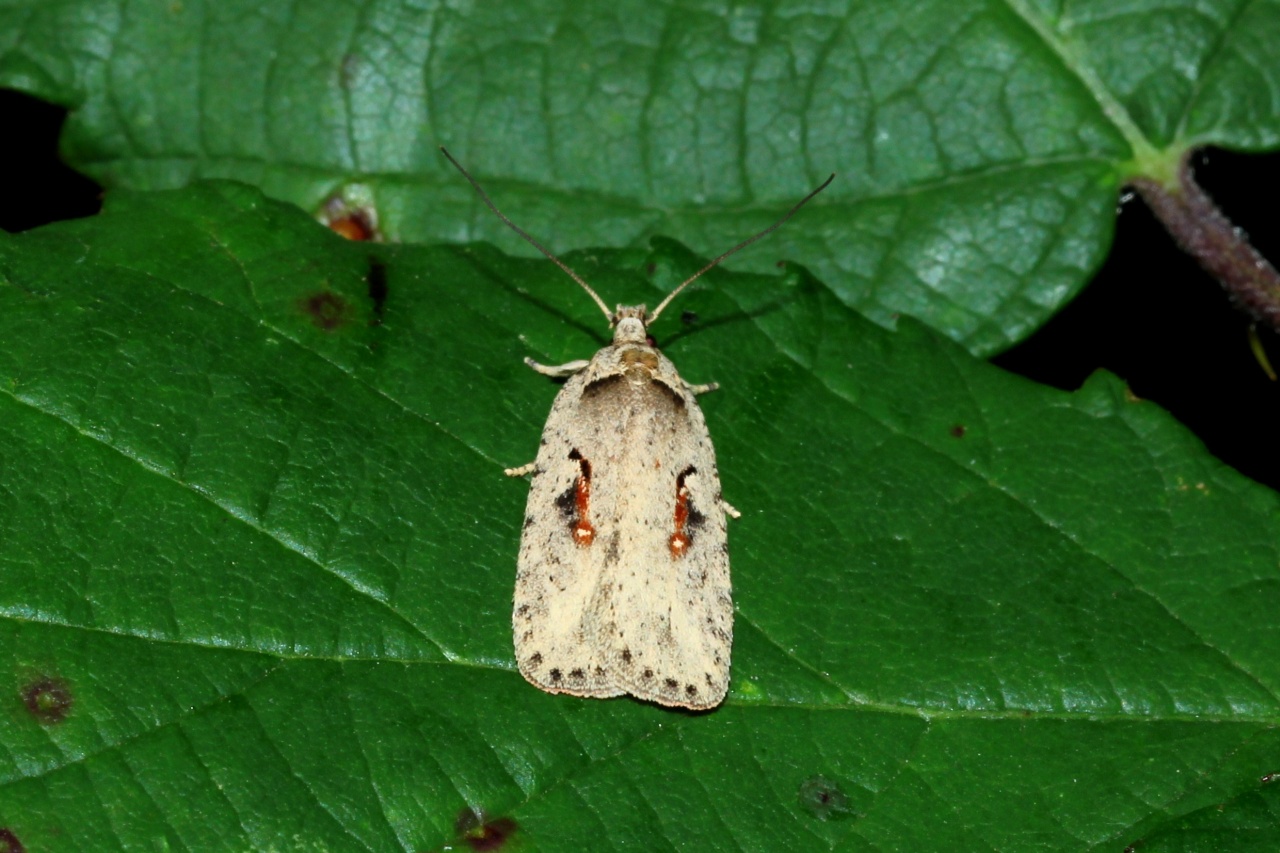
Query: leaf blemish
x=822 y=798
x=48 y=700
x=326 y=309
x=481 y=834
x=376 y=276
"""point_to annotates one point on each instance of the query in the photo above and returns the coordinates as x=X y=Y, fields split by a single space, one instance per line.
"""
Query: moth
x=622 y=583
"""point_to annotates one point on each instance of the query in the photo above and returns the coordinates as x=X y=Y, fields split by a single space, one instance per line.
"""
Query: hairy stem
x=1223 y=250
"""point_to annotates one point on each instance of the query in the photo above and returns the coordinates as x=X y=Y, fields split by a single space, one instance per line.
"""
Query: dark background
x=1149 y=315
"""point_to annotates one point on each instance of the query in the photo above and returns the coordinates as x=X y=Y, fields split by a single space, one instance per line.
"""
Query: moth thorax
x=629 y=325
x=639 y=364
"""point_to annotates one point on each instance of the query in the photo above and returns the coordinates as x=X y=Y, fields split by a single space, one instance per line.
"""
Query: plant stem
x=1222 y=250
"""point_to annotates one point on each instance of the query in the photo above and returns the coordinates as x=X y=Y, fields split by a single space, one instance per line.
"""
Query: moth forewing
x=622 y=584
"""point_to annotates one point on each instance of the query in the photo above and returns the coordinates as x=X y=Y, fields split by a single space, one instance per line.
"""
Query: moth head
x=629 y=323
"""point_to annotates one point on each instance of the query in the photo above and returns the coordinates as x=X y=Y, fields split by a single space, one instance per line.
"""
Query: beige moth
x=622 y=583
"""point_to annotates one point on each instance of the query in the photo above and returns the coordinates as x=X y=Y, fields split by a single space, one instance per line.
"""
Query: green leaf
x=257 y=552
x=980 y=145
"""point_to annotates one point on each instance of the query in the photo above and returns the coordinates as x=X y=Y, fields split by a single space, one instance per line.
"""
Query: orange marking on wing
x=679 y=543
x=584 y=532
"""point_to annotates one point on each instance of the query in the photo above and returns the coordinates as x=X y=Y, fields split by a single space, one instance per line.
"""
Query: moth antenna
x=532 y=242
x=744 y=244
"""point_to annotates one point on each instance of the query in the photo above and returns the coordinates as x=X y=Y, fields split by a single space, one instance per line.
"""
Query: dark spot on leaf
x=599 y=672
x=48 y=700
x=536 y=659
x=648 y=673
x=482 y=834
x=9 y=842
x=352 y=227
x=626 y=655
x=650 y=268
x=822 y=798
x=690 y=690
x=326 y=310
x=671 y=683
x=377 y=279
x=688 y=318
x=522 y=610
x=528 y=521
x=958 y=431
x=782 y=265
x=578 y=674
x=555 y=675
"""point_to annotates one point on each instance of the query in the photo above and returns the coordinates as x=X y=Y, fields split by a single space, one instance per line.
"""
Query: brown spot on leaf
x=350 y=213
x=481 y=834
x=352 y=227
x=326 y=310
x=48 y=699
x=958 y=431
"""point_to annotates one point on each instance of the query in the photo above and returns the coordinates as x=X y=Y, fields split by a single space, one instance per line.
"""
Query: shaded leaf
x=980 y=145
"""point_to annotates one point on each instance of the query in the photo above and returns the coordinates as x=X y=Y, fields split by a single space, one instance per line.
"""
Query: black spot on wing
x=567 y=503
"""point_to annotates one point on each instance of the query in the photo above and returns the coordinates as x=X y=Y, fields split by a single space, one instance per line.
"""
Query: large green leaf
x=980 y=144
x=257 y=551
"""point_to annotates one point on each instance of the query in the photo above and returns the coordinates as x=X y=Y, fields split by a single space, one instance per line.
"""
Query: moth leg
x=729 y=510
x=521 y=471
x=702 y=389
x=558 y=370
